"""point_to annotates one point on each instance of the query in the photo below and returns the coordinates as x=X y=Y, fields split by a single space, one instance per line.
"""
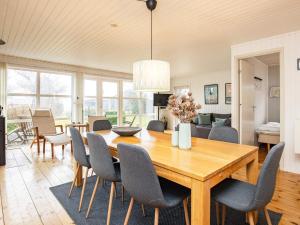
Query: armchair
x=45 y=129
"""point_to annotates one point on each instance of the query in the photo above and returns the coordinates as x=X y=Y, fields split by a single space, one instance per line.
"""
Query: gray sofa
x=202 y=131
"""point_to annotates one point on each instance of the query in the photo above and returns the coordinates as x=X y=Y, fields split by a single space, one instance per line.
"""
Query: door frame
x=235 y=107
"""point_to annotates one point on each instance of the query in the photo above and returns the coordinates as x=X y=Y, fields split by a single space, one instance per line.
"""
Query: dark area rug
x=172 y=216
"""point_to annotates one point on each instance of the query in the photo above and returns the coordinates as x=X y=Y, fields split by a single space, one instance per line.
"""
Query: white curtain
x=3 y=92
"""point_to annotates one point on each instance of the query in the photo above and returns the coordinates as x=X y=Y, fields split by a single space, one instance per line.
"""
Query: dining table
x=200 y=168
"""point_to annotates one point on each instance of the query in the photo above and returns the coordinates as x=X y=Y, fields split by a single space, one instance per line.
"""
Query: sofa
x=202 y=130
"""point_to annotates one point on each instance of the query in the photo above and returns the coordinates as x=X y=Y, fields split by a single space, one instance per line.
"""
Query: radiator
x=297 y=136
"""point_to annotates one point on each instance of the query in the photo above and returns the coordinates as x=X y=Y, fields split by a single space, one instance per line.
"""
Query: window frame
x=37 y=95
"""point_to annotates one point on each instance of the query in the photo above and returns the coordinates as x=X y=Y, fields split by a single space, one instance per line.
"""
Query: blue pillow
x=204 y=119
x=219 y=123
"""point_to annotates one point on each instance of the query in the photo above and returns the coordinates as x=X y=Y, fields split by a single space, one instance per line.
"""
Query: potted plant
x=185 y=109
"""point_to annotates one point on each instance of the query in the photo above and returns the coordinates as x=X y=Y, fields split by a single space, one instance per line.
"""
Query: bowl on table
x=126 y=131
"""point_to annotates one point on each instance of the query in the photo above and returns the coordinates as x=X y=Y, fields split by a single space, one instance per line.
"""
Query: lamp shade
x=151 y=75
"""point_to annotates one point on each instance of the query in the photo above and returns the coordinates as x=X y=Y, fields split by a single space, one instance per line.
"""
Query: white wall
x=196 y=84
x=289 y=46
x=274 y=103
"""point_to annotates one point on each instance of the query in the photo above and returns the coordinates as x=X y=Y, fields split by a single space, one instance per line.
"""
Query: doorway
x=259 y=100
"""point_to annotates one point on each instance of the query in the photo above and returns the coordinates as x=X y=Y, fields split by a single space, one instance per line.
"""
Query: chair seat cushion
x=235 y=194
x=59 y=139
x=173 y=193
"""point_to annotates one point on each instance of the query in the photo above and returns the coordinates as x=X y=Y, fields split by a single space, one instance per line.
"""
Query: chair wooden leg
x=115 y=190
x=267 y=216
x=251 y=218
x=223 y=214
x=143 y=210
x=74 y=180
x=93 y=197
x=52 y=151
x=111 y=196
x=32 y=143
x=218 y=212
x=156 y=217
x=83 y=189
x=129 y=211
x=71 y=147
x=38 y=144
x=122 y=194
x=186 y=212
x=63 y=149
x=44 y=146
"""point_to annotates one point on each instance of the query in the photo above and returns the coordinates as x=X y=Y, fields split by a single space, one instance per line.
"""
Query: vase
x=185 y=139
x=175 y=138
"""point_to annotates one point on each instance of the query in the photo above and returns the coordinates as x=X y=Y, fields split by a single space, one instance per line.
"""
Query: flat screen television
x=160 y=99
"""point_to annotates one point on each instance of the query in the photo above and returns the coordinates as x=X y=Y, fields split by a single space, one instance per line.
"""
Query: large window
x=117 y=100
x=37 y=89
x=137 y=107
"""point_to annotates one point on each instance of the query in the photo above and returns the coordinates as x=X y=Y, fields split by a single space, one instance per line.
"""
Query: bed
x=269 y=133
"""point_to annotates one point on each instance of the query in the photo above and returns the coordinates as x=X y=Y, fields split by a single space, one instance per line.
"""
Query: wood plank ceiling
x=195 y=36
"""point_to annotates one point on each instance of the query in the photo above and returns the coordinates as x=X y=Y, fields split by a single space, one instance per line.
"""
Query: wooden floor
x=26 y=198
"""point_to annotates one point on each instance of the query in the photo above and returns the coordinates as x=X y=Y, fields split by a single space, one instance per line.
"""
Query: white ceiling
x=195 y=36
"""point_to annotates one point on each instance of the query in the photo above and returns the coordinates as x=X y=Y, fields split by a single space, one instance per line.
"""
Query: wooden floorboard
x=25 y=197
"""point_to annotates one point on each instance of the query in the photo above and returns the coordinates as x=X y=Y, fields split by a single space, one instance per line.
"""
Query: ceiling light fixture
x=151 y=75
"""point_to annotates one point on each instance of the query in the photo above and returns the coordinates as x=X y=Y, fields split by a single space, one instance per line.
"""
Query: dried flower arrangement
x=183 y=107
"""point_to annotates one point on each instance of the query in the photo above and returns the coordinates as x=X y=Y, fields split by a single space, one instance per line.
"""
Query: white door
x=247 y=97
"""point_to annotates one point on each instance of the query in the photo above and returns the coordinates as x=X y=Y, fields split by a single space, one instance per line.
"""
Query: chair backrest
x=92 y=119
x=266 y=182
x=44 y=120
x=79 y=148
x=102 y=125
x=138 y=175
x=156 y=125
x=100 y=157
x=226 y=134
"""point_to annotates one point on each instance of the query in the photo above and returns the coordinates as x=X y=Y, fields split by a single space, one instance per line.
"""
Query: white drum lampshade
x=151 y=76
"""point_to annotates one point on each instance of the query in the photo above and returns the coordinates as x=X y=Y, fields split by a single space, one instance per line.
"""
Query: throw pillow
x=227 y=122
x=219 y=122
x=204 y=119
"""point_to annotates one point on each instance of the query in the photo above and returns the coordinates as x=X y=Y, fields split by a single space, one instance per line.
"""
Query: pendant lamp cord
x=151 y=34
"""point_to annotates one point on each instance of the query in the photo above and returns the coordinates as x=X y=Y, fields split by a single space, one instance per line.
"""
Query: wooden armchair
x=45 y=129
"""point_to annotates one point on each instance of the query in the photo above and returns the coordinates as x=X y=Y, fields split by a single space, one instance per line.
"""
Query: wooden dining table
x=200 y=168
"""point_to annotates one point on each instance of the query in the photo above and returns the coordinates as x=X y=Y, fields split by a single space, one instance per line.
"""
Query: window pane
x=90 y=107
x=110 y=110
x=130 y=109
x=56 y=84
x=90 y=88
x=128 y=90
x=61 y=107
x=18 y=106
x=21 y=81
x=109 y=89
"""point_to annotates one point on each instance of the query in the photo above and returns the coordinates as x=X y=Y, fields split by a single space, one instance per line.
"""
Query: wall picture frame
x=211 y=94
x=228 y=93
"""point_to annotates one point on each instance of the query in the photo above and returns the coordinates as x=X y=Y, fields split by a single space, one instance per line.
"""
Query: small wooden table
x=201 y=168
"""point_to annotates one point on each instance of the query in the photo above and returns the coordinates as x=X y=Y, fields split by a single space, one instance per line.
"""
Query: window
x=181 y=90
x=103 y=97
x=90 y=98
x=137 y=107
x=110 y=101
x=36 y=89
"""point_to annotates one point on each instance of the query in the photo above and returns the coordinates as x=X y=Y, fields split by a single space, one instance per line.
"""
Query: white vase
x=185 y=139
x=175 y=138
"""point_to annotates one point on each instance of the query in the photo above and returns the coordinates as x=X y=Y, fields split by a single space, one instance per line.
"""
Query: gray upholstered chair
x=103 y=167
x=102 y=125
x=226 y=134
x=81 y=158
x=142 y=183
x=247 y=197
x=156 y=125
